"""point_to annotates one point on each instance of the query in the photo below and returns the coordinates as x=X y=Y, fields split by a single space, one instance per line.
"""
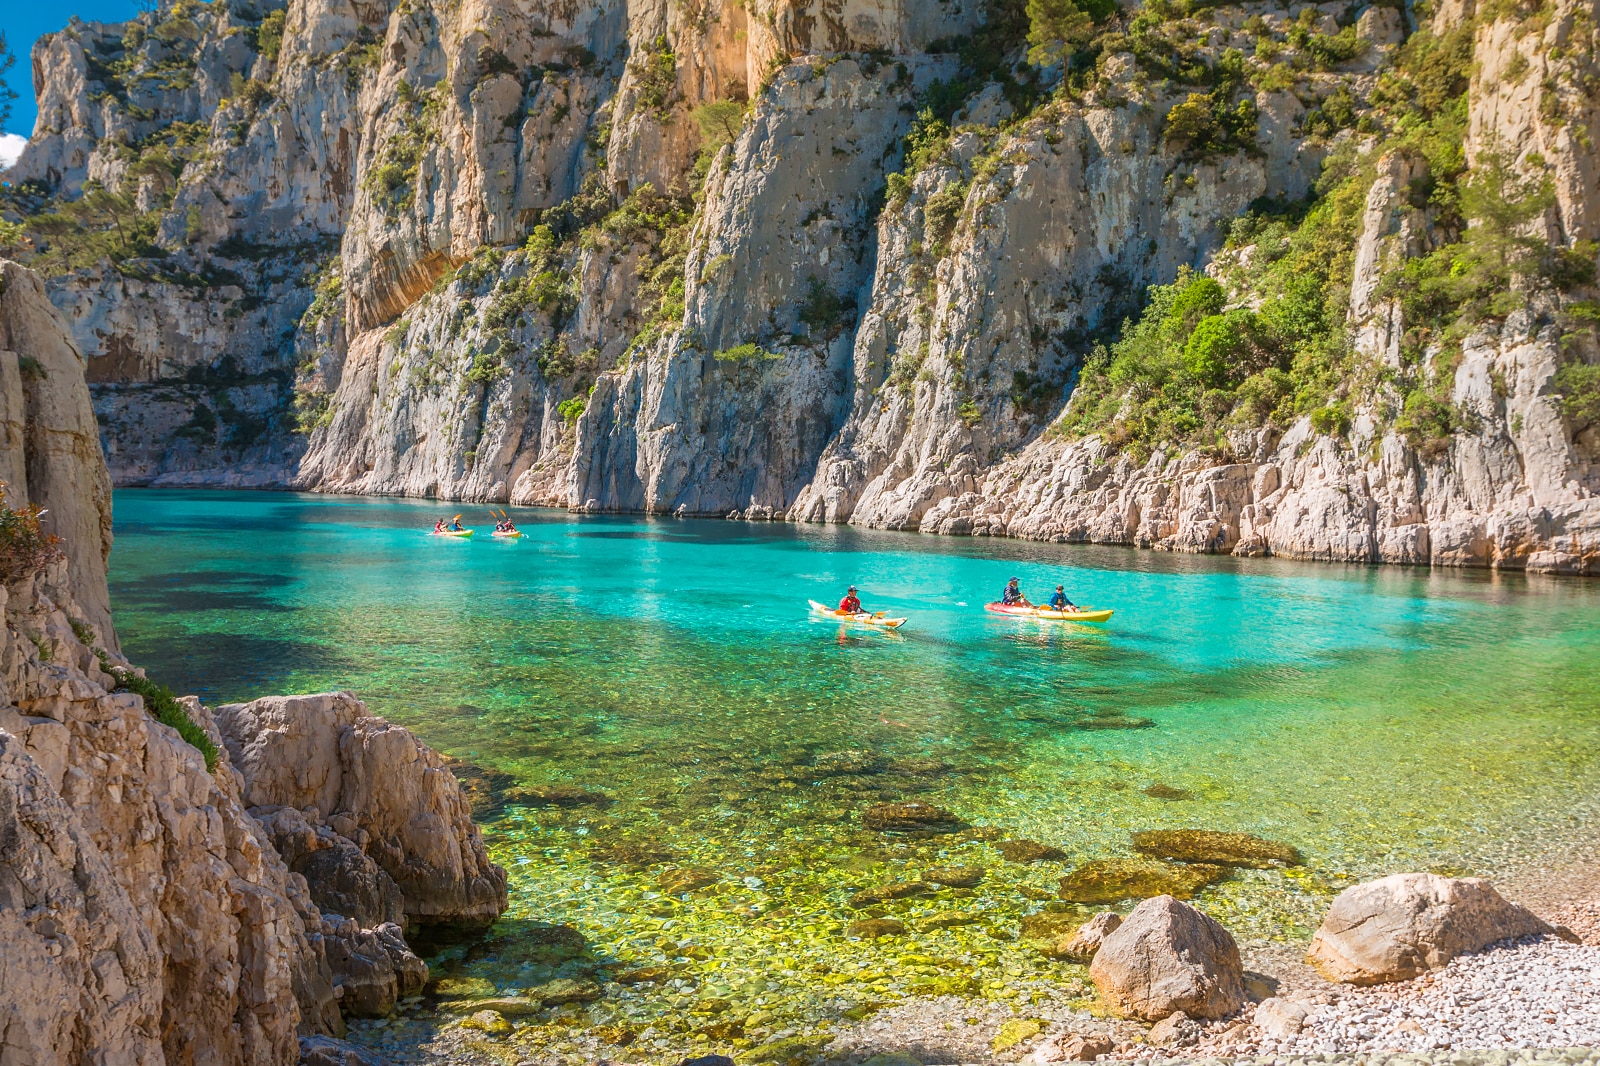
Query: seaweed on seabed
x=164 y=707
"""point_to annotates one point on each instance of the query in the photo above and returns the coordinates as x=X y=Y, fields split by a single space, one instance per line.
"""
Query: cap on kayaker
x=1061 y=588
x=852 y=588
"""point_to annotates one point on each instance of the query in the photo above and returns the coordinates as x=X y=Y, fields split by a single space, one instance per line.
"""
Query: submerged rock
x=1028 y=851
x=508 y=1006
x=555 y=795
x=790 y=1049
x=1114 y=880
x=687 y=879
x=328 y=1051
x=954 y=876
x=872 y=928
x=883 y=893
x=1218 y=849
x=488 y=1021
x=910 y=817
x=1167 y=956
x=1398 y=927
x=645 y=975
x=843 y=763
x=566 y=990
x=1162 y=791
x=951 y=919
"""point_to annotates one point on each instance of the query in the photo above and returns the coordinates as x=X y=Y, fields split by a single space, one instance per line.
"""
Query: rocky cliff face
x=829 y=262
x=146 y=915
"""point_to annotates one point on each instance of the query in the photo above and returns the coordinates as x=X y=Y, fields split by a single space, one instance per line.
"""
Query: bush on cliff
x=25 y=547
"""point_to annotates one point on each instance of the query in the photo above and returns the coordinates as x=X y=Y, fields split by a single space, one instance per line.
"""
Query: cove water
x=1379 y=720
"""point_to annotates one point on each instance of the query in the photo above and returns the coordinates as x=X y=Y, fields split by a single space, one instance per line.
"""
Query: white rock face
x=906 y=350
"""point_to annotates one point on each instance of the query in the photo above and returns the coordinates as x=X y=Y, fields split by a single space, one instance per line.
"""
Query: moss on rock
x=1218 y=849
x=1113 y=880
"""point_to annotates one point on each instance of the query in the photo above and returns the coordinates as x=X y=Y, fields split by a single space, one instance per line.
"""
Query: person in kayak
x=438 y=526
x=1060 y=602
x=1013 y=597
x=455 y=524
x=851 y=604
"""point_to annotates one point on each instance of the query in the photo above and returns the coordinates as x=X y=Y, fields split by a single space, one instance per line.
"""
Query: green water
x=1377 y=719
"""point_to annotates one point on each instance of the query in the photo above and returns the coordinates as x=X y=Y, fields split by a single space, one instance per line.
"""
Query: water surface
x=1377 y=719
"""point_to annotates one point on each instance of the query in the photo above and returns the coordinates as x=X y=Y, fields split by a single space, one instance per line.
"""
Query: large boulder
x=1167 y=956
x=1398 y=927
x=374 y=784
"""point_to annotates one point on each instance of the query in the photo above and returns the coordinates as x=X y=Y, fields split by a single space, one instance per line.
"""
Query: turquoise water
x=1377 y=719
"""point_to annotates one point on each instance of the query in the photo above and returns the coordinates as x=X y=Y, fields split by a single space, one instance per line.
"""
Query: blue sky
x=24 y=21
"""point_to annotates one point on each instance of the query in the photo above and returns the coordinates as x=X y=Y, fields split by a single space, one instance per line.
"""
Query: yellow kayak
x=864 y=618
x=462 y=533
x=508 y=536
x=1050 y=614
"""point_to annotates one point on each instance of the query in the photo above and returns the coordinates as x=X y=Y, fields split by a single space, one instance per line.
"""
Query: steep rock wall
x=146 y=915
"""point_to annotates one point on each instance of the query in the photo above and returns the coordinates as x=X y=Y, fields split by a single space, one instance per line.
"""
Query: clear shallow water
x=1378 y=720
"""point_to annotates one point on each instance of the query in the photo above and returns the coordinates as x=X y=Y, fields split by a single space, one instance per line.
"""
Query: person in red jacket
x=851 y=604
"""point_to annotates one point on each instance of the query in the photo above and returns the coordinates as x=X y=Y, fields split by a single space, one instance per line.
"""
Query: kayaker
x=438 y=526
x=851 y=604
x=455 y=524
x=1060 y=602
x=1013 y=597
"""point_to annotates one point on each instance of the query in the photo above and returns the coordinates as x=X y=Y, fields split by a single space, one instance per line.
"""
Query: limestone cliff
x=146 y=915
x=836 y=261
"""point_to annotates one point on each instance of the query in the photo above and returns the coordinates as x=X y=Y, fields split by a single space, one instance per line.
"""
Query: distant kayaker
x=851 y=604
x=455 y=524
x=1013 y=597
x=438 y=526
x=1060 y=602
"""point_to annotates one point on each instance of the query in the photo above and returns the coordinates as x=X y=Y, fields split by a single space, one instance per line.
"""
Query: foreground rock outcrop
x=594 y=257
x=1402 y=926
x=145 y=914
x=376 y=786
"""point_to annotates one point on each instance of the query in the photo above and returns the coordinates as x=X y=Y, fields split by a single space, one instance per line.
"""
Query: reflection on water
x=671 y=755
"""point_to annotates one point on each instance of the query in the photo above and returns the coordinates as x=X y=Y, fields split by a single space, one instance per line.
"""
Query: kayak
x=462 y=533
x=1050 y=614
x=864 y=618
x=507 y=536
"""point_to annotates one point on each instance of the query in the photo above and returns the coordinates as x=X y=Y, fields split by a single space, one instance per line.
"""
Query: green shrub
x=656 y=68
x=1332 y=421
x=26 y=548
x=1221 y=350
x=1579 y=387
x=571 y=409
x=749 y=351
x=487 y=367
x=719 y=123
x=269 y=35
x=939 y=217
x=164 y=707
x=1426 y=422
